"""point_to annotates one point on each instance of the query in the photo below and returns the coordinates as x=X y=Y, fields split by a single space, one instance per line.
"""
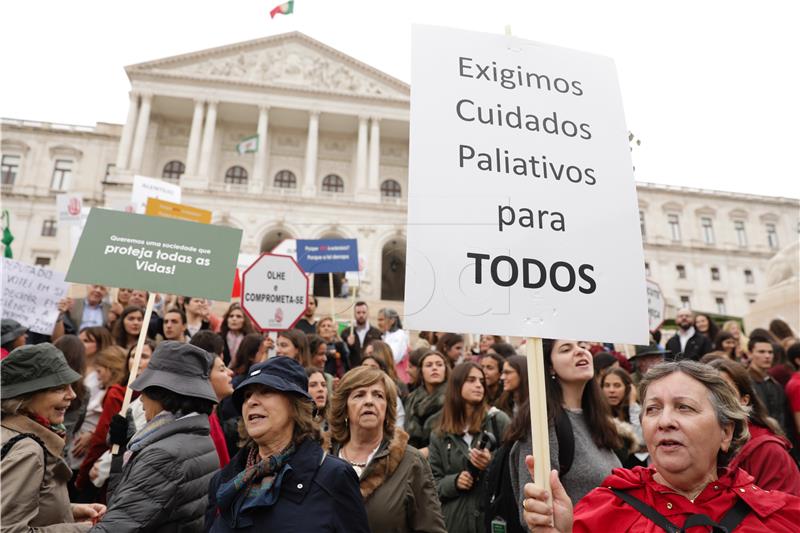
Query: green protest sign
x=156 y=254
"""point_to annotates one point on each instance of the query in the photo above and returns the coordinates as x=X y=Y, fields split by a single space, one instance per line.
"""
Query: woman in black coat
x=281 y=480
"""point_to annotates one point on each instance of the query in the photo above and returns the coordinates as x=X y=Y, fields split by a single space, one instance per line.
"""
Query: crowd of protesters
x=364 y=428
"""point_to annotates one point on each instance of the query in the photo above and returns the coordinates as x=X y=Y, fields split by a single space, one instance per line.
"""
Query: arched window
x=285 y=179
x=173 y=170
x=391 y=189
x=236 y=175
x=332 y=183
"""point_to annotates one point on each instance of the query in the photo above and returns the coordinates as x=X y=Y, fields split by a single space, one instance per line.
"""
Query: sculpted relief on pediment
x=295 y=66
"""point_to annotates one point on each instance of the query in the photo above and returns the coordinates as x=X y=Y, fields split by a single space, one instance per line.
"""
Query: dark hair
x=75 y=353
x=454 y=413
x=755 y=339
x=758 y=412
x=132 y=352
x=177 y=403
x=420 y=381
x=430 y=336
x=246 y=354
x=100 y=335
x=415 y=356
x=446 y=342
x=506 y=401
x=176 y=310
x=595 y=409
x=622 y=411
x=314 y=342
x=381 y=364
x=247 y=326
x=780 y=329
x=120 y=335
x=721 y=337
x=322 y=414
x=360 y=303
x=382 y=352
x=208 y=341
x=761 y=332
x=793 y=354
x=504 y=349
x=602 y=361
x=499 y=359
x=713 y=328
x=300 y=342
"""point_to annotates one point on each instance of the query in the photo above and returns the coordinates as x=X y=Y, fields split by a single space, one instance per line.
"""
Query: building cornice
x=738 y=196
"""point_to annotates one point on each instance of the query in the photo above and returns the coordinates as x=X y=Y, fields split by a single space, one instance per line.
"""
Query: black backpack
x=498 y=493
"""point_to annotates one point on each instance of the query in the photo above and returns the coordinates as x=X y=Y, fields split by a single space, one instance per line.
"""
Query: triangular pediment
x=287 y=61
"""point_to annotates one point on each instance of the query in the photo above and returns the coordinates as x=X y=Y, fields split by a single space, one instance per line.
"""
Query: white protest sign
x=69 y=206
x=274 y=291
x=522 y=212
x=656 y=305
x=31 y=295
x=144 y=188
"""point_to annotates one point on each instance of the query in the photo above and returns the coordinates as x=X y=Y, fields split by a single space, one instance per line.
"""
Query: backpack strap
x=734 y=517
x=654 y=516
x=15 y=439
x=566 y=442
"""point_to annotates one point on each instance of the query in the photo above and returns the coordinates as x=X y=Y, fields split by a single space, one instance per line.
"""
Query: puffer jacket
x=398 y=489
x=449 y=456
x=420 y=408
x=34 y=480
x=163 y=487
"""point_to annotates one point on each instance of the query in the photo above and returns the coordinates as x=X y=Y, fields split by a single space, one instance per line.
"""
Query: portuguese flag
x=284 y=9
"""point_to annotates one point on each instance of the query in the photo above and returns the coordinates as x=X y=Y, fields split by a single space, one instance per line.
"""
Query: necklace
x=353 y=463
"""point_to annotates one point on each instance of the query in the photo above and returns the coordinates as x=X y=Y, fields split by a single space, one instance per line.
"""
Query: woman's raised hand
x=539 y=514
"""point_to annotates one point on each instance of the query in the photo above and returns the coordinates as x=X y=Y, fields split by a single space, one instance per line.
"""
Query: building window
x=49 y=228
x=42 y=261
x=332 y=183
x=111 y=167
x=647 y=269
x=391 y=189
x=721 y=305
x=685 y=302
x=681 y=271
x=236 y=175
x=741 y=236
x=674 y=227
x=772 y=236
x=714 y=274
x=752 y=300
x=642 y=227
x=285 y=179
x=62 y=172
x=174 y=170
x=708 y=230
x=10 y=168
x=748 y=276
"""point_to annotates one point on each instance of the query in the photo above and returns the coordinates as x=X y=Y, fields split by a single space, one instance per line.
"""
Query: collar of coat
x=23 y=424
x=384 y=463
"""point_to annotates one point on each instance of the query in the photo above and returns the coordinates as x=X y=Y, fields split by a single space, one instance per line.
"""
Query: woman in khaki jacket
x=395 y=480
x=35 y=392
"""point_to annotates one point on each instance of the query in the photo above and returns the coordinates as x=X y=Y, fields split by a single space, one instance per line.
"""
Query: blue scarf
x=258 y=485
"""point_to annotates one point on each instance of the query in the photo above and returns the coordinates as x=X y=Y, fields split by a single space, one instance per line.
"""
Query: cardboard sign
x=515 y=149
x=156 y=254
x=163 y=208
x=31 y=295
x=274 y=291
x=144 y=188
x=656 y=305
x=327 y=255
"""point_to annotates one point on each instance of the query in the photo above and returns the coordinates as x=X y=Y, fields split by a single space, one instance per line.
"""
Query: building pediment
x=291 y=61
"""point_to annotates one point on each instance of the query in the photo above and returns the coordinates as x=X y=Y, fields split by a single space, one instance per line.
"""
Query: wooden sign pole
x=136 y=358
x=330 y=292
x=537 y=399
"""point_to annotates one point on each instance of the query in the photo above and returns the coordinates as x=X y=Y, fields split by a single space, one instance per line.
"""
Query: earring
x=552 y=376
x=346 y=421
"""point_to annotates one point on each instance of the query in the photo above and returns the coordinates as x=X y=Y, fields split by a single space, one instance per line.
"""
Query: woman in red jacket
x=692 y=425
x=766 y=455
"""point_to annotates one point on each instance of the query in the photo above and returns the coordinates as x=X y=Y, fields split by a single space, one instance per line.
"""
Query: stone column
x=208 y=141
x=260 y=166
x=374 y=154
x=310 y=183
x=361 y=155
x=124 y=150
x=140 y=137
x=194 y=138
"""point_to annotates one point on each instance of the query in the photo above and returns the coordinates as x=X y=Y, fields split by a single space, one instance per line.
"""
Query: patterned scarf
x=256 y=486
x=142 y=437
x=58 y=429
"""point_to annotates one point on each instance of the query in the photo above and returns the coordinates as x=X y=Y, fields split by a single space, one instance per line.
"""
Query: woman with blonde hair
x=395 y=480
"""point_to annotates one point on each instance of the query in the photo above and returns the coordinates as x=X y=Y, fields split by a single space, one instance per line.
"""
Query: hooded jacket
x=602 y=510
x=766 y=457
x=163 y=485
x=398 y=489
x=34 y=495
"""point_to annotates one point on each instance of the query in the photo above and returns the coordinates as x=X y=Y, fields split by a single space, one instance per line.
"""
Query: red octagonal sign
x=274 y=292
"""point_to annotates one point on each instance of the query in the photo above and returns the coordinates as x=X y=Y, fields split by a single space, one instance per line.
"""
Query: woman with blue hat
x=281 y=480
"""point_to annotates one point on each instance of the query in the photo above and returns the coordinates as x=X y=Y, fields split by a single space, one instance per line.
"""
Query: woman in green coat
x=426 y=400
x=460 y=447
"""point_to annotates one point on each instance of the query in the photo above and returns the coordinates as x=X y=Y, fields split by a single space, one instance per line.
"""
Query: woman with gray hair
x=393 y=333
x=692 y=424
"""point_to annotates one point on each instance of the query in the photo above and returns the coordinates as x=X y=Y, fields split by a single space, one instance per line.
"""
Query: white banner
x=522 y=214
x=144 y=188
x=31 y=295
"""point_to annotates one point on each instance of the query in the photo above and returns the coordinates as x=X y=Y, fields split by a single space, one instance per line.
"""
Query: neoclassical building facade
x=332 y=161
